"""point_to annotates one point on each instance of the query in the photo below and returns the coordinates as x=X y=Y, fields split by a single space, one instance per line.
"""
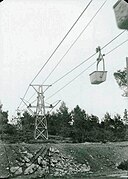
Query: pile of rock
x=65 y=165
x=53 y=162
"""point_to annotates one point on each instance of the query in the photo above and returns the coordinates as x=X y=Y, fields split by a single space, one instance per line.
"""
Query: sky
x=30 y=30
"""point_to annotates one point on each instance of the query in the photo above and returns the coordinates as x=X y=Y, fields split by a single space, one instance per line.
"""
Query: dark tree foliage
x=28 y=124
x=125 y=117
x=113 y=128
x=59 y=122
x=7 y=131
x=123 y=165
x=76 y=126
x=64 y=118
x=81 y=127
x=121 y=79
x=53 y=124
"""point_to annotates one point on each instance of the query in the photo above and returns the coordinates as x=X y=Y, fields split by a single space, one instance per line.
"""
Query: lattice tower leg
x=41 y=130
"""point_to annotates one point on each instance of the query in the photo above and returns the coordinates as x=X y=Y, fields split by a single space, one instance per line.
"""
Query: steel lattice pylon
x=41 y=130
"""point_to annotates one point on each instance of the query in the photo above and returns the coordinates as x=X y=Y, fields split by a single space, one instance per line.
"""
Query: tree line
x=76 y=125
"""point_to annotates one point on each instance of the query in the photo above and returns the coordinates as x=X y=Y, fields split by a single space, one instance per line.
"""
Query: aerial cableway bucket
x=121 y=13
x=97 y=76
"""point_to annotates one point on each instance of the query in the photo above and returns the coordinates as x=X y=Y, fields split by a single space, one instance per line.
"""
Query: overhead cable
x=85 y=70
x=75 y=41
x=57 y=48
x=71 y=81
x=117 y=47
x=72 y=46
x=86 y=59
x=113 y=39
x=62 y=40
x=23 y=96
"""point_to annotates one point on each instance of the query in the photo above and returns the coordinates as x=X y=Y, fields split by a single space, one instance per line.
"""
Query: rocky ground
x=61 y=160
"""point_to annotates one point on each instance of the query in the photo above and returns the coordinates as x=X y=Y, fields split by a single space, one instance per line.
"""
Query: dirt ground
x=102 y=159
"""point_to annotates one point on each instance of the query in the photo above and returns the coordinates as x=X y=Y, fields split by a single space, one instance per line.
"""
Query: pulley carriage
x=97 y=76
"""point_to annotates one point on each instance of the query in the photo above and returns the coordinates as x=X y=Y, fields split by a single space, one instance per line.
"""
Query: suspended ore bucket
x=98 y=77
x=121 y=14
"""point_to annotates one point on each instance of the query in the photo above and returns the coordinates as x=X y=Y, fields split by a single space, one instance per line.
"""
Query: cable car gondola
x=97 y=76
x=121 y=14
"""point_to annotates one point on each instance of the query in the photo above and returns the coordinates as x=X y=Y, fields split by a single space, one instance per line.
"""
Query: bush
x=123 y=165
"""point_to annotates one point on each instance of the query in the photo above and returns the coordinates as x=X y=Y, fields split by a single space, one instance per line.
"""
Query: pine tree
x=125 y=117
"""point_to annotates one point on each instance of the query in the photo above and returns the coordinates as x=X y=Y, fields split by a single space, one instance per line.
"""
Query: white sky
x=30 y=30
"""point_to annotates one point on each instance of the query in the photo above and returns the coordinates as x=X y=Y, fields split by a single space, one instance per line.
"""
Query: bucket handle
x=100 y=57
